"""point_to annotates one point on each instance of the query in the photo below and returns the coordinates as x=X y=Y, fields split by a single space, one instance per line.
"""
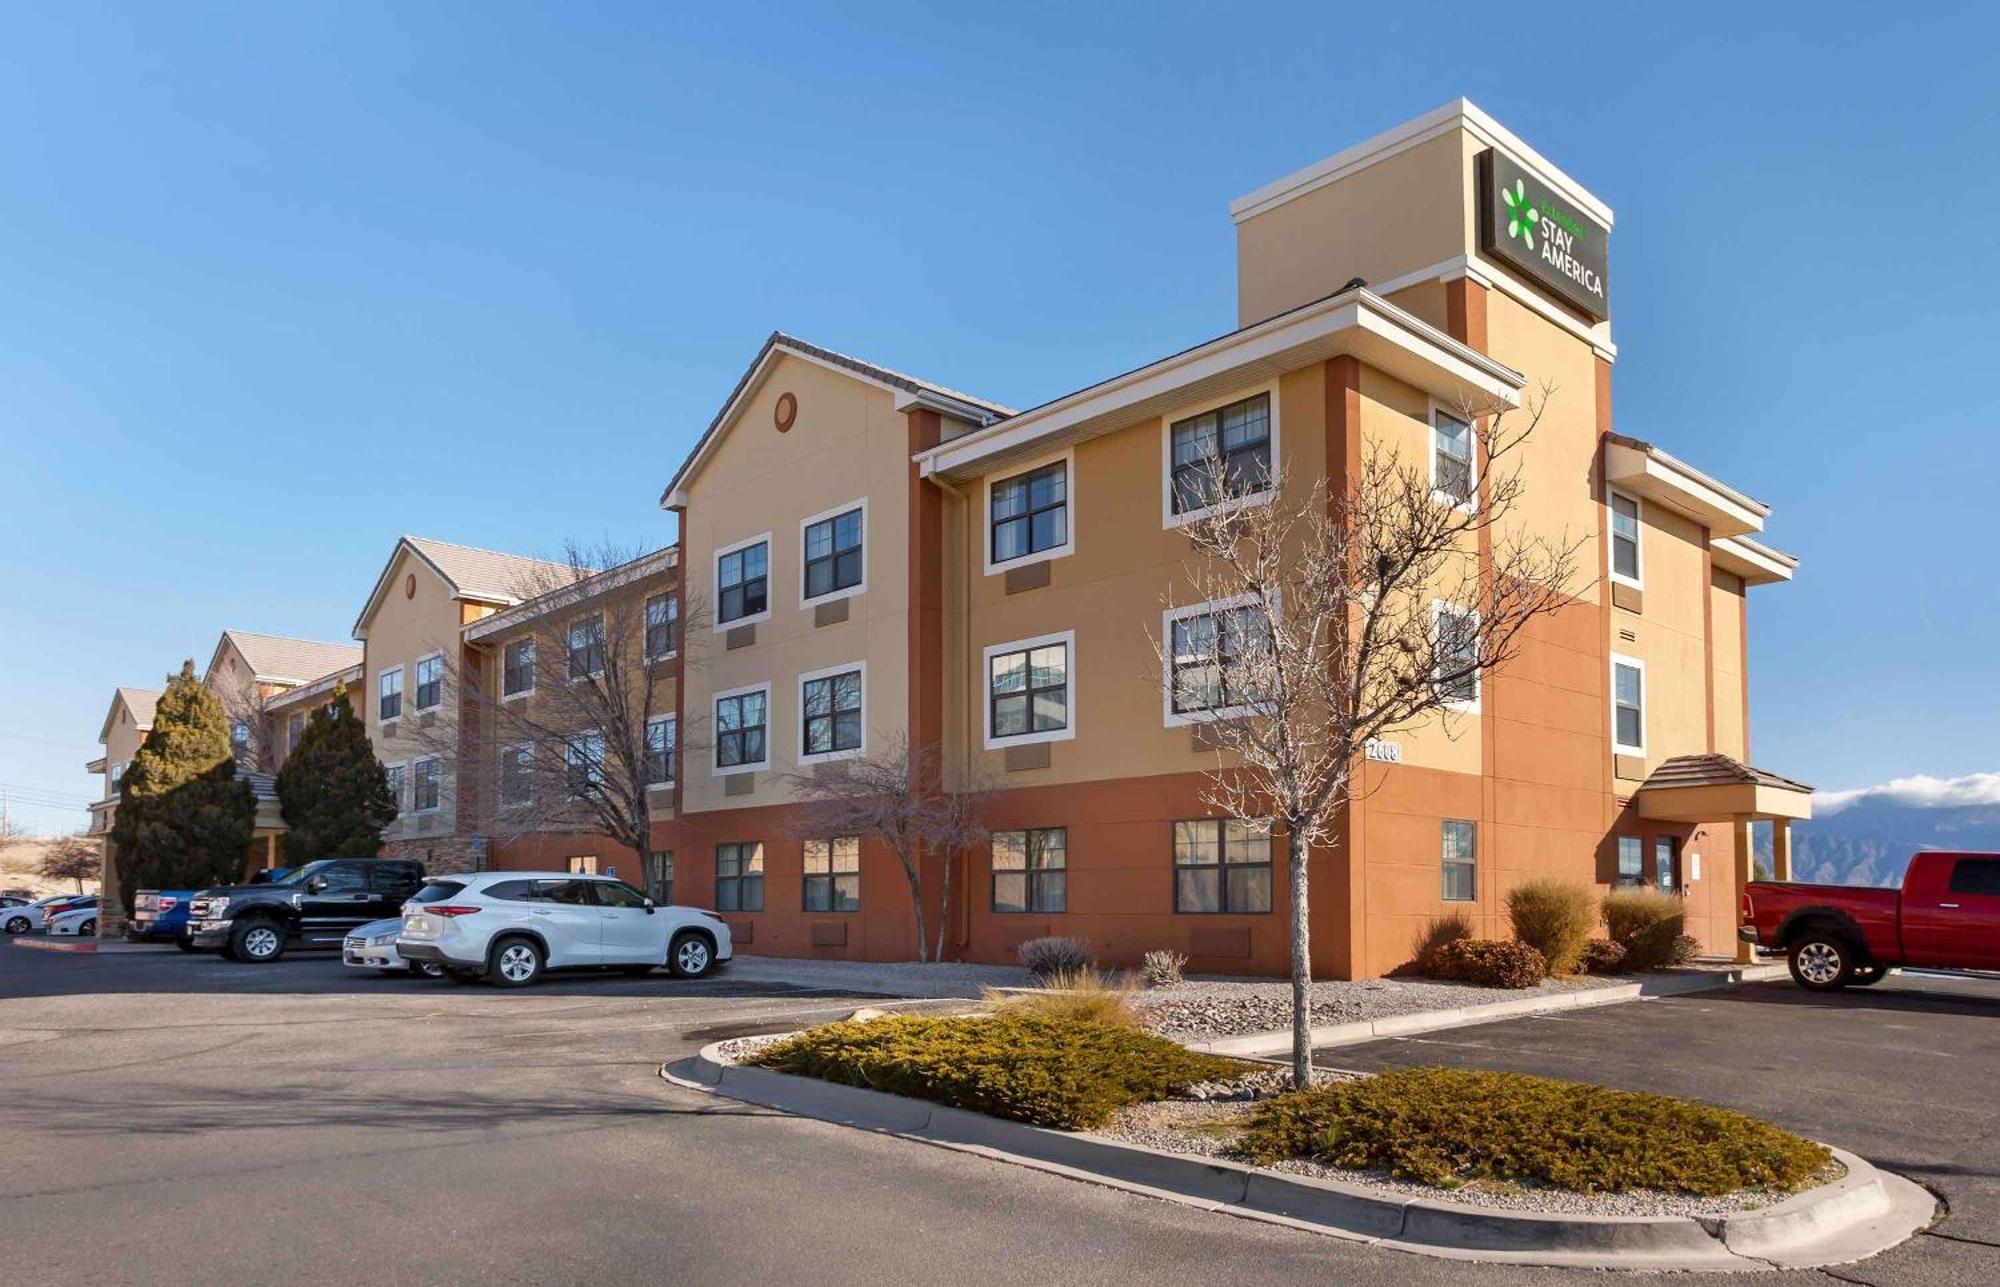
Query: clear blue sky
x=278 y=283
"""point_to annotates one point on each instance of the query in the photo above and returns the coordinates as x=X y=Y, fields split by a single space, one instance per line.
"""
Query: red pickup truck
x=1945 y=917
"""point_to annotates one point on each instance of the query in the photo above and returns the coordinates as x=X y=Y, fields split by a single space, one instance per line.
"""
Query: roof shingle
x=279 y=660
x=1714 y=770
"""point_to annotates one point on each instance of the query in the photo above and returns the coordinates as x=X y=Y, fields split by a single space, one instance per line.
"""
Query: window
x=1220 y=455
x=1625 y=539
x=568 y=893
x=660 y=739
x=1029 y=514
x=340 y=878
x=1207 y=649
x=389 y=687
x=430 y=780
x=740 y=720
x=239 y=734
x=1027 y=689
x=660 y=876
x=1222 y=865
x=118 y=774
x=739 y=877
x=586 y=648
x=743 y=580
x=829 y=714
x=1667 y=863
x=616 y=893
x=1628 y=706
x=395 y=775
x=1457 y=656
x=583 y=763
x=430 y=682
x=833 y=875
x=1976 y=876
x=663 y=625
x=580 y=865
x=517 y=768
x=517 y=668
x=1452 y=474
x=1029 y=870
x=295 y=730
x=1631 y=861
x=833 y=554
x=1460 y=848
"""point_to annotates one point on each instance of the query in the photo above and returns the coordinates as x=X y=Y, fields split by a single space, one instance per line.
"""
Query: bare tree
x=75 y=857
x=1335 y=617
x=898 y=796
x=583 y=744
x=250 y=739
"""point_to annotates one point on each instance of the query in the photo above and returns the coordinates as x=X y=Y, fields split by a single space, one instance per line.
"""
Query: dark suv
x=310 y=906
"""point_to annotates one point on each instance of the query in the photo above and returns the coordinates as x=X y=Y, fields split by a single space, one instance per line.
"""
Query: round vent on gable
x=410 y=586
x=785 y=412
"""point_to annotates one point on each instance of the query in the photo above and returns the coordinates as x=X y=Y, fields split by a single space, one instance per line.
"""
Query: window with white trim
x=1029 y=513
x=395 y=773
x=832 y=875
x=1628 y=706
x=1027 y=689
x=739 y=877
x=517 y=766
x=517 y=668
x=660 y=739
x=743 y=583
x=1212 y=657
x=1453 y=476
x=586 y=647
x=1221 y=455
x=663 y=626
x=1031 y=870
x=430 y=682
x=1457 y=655
x=1222 y=865
x=833 y=554
x=583 y=763
x=830 y=713
x=1625 y=564
x=389 y=694
x=1631 y=861
x=1459 y=854
x=429 y=775
x=741 y=722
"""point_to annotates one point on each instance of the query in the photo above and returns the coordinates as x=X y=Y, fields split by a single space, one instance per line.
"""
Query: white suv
x=509 y=926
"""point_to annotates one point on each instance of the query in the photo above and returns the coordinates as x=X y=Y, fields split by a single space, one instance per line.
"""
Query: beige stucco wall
x=402 y=629
x=847 y=444
x=1727 y=625
x=1669 y=634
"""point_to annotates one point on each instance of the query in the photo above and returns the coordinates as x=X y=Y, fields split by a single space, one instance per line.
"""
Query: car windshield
x=299 y=875
x=437 y=891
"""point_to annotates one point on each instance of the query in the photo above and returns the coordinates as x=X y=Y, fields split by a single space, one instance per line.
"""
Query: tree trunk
x=944 y=906
x=1301 y=966
x=915 y=875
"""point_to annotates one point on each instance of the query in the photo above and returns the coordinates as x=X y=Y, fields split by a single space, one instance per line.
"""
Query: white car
x=30 y=916
x=510 y=926
x=82 y=923
x=373 y=947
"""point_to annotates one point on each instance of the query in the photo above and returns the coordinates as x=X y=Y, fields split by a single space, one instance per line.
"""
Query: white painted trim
x=1529 y=297
x=673 y=722
x=645 y=624
x=573 y=595
x=534 y=667
x=1438 y=608
x=1611 y=694
x=1068 y=456
x=404 y=791
x=828 y=672
x=770 y=577
x=568 y=649
x=416 y=767
x=1168 y=518
x=770 y=730
x=1639 y=468
x=851 y=591
x=436 y=654
x=1067 y=638
x=401 y=693
x=1442 y=497
x=1170 y=717
x=1754 y=561
x=1611 y=537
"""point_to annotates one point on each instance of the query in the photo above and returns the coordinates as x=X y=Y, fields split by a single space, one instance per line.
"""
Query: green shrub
x=1437 y=933
x=1554 y=917
x=1645 y=923
x=1047 y=957
x=1602 y=956
x=1085 y=996
x=1491 y=963
x=1446 y=1127
x=1048 y=1070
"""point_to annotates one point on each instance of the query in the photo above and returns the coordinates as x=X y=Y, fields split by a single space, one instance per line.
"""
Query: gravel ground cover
x=1209 y=1007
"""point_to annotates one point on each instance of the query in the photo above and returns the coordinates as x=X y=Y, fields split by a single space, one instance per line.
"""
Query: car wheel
x=185 y=943
x=258 y=942
x=690 y=956
x=17 y=925
x=426 y=969
x=1822 y=961
x=87 y=930
x=516 y=962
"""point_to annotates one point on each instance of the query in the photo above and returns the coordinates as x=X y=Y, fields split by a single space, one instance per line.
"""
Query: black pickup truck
x=311 y=906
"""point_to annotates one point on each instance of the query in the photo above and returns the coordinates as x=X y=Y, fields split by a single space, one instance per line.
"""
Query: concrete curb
x=1279 y=1041
x=1866 y=1212
x=46 y=944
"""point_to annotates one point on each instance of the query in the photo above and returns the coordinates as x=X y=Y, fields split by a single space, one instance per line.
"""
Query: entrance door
x=1667 y=863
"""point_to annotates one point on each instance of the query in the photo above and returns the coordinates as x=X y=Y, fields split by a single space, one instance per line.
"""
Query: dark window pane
x=1197 y=889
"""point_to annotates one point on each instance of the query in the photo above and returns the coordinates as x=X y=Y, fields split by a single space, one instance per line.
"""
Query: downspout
x=962 y=913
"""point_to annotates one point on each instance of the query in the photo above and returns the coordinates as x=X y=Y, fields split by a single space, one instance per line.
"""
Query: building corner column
x=1781 y=849
x=1746 y=870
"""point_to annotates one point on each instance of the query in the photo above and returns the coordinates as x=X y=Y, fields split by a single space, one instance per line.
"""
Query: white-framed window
x=661 y=742
x=1031 y=690
x=428 y=779
x=1239 y=433
x=586 y=647
x=739 y=876
x=832 y=875
x=1028 y=514
x=430 y=681
x=1631 y=862
x=833 y=549
x=1628 y=705
x=517 y=775
x=1222 y=865
x=389 y=695
x=583 y=763
x=1454 y=458
x=743 y=582
x=517 y=669
x=397 y=773
x=832 y=705
x=663 y=626
x=1457 y=655
x=1458 y=852
x=742 y=729
x=239 y=734
x=118 y=774
x=1206 y=645
x=1627 y=559
x=1030 y=870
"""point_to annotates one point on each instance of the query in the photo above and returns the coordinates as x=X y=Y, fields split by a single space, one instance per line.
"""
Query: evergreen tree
x=184 y=821
x=333 y=791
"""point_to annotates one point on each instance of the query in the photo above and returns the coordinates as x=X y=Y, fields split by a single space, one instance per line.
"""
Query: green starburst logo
x=1521 y=216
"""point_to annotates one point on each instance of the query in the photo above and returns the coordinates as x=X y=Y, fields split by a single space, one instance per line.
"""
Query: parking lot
x=166 y=1118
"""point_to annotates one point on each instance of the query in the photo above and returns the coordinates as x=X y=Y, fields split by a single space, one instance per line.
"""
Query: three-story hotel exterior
x=881 y=557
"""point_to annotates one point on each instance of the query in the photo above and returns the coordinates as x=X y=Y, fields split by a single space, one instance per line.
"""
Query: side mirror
x=316 y=885
x=649 y=907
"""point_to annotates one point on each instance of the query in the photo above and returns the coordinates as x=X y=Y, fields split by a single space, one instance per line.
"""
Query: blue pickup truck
x=161 y=914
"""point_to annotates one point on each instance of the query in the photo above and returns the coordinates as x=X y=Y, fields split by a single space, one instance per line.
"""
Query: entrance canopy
x=1713 y=788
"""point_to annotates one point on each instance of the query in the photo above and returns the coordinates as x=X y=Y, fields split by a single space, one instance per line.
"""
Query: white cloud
x=1919 y=792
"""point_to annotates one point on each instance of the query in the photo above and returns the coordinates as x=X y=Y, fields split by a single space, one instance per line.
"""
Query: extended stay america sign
x=1526 y=225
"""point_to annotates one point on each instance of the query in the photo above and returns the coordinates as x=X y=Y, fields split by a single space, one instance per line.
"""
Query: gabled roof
x=140 y=701
x=962 y=405
x=1715 y=770
x=481 y=576
x=276 y=659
